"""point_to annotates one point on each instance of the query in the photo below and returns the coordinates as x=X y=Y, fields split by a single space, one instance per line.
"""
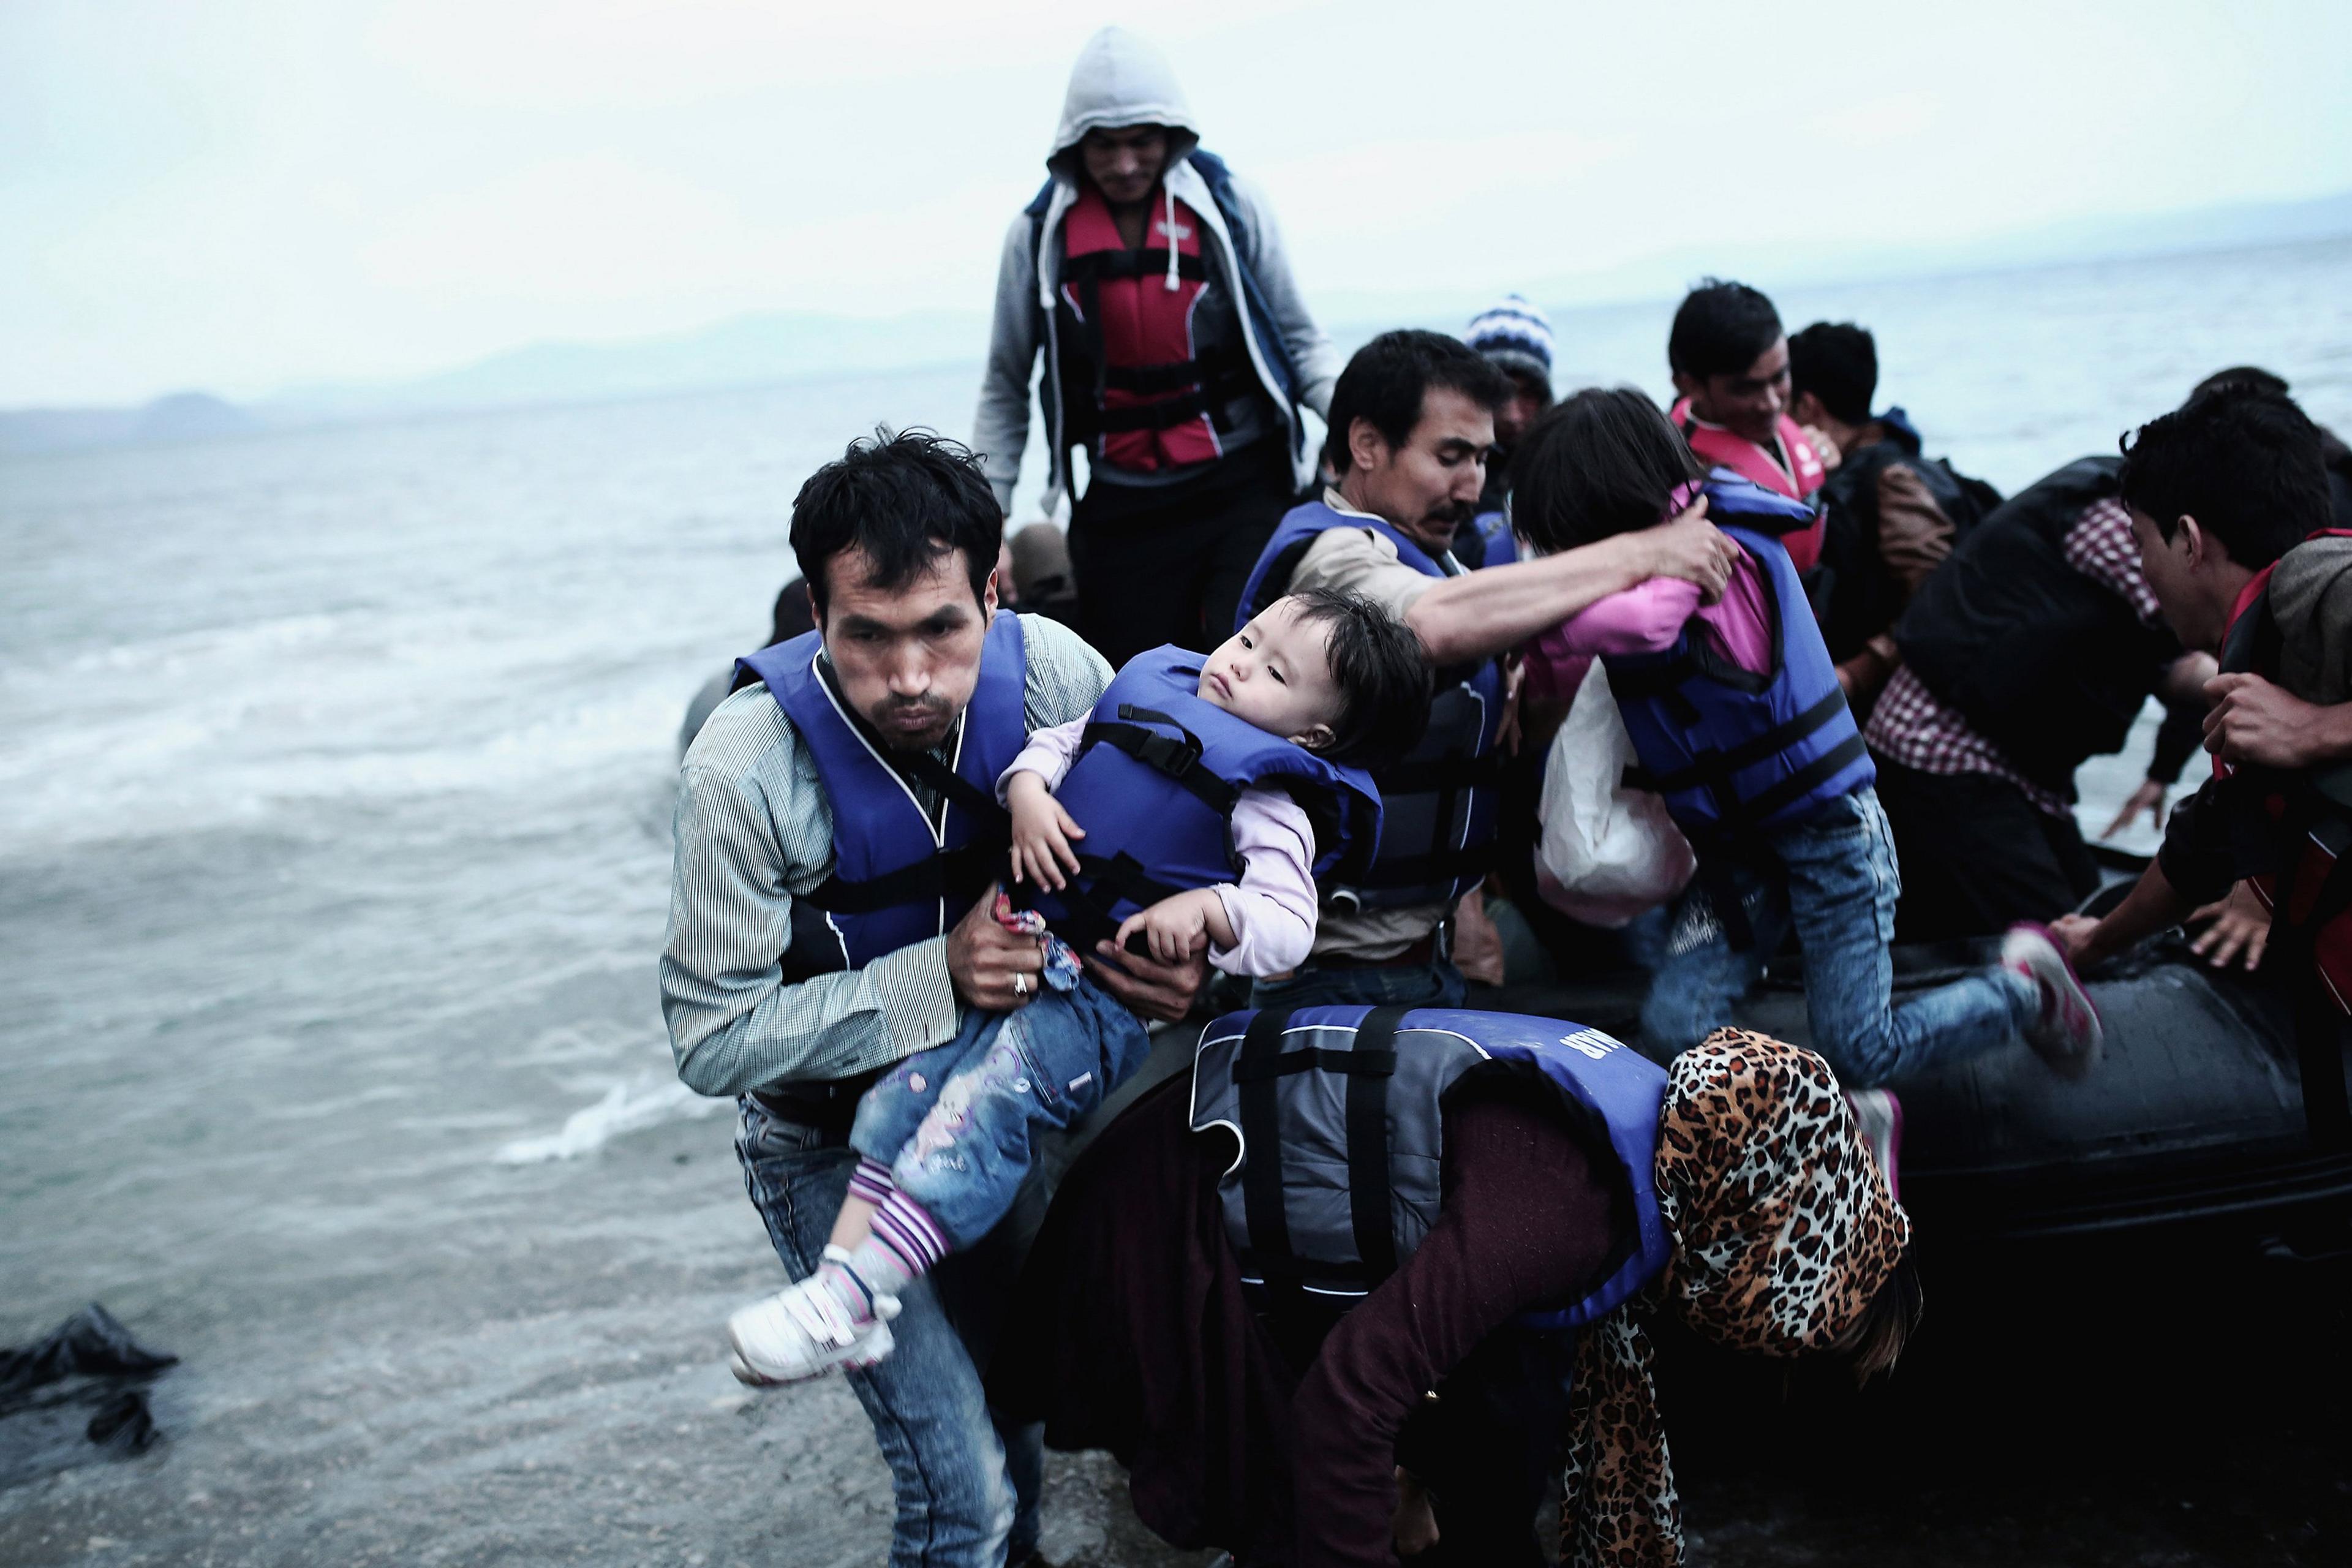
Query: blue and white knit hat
x=1515 y=335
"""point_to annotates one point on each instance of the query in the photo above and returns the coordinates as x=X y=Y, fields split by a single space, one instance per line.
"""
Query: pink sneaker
x=1880 y=1116
x=2067 y=1033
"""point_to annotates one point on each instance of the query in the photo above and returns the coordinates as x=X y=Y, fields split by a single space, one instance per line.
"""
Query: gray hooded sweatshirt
x=1120 y=79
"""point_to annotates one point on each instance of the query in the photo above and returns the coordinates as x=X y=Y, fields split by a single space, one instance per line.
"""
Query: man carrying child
x=831 y=914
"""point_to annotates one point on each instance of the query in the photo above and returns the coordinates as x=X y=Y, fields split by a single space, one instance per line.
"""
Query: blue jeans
x=1837 y=881
x=967 y=1488
x=1436 y=984
x=958 y=1124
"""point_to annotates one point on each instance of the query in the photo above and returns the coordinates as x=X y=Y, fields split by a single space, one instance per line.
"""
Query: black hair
x=903 y=501
x=2252 y=376
x=2243 y=461
x=1382 y=671
x=1837 y=361
x=794 y=615
x=1604 y=462
x=1720 y=329
x=1387 y=378
x=1874 y=1342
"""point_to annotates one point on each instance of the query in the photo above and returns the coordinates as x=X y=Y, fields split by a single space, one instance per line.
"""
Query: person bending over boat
x=826 y=814
x=2220 y=490
x=1553 y=1192
x=2030 y=650
x=1738 y=720
x=1182 y=816
x=1178 y=352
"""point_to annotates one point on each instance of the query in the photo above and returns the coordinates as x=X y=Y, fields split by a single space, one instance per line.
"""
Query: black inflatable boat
x=2195 y=1117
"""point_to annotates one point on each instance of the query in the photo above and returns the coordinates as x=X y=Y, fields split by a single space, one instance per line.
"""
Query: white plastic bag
x=1607 y=852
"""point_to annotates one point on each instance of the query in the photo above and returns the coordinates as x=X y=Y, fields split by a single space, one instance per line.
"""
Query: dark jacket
x=1893 y=516
x=2048 y=664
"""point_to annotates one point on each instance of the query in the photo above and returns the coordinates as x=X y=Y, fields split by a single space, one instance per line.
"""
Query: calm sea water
x=334 y=788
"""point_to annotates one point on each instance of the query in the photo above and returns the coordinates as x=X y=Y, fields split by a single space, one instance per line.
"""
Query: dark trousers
x=1489 y=1450
x=1156 y=566
x=1977 y=855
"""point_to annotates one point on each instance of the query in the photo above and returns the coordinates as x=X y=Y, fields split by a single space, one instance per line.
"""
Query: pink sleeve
x=1049 y=752
x=1272 y=911
x=1644 y=618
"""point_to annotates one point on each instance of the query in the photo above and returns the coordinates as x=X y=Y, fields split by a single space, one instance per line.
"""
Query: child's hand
x=1175 y=929
x=1042 y=832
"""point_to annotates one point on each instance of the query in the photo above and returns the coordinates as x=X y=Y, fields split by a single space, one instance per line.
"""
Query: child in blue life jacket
x=1737 y=718
x=1192 y=811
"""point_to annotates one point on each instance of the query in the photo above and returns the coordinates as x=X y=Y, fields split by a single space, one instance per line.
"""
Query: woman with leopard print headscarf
x=1280 y=1439
x=1787 y=1240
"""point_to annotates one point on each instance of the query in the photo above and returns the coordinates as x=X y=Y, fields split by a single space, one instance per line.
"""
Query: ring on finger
x=1020 y=983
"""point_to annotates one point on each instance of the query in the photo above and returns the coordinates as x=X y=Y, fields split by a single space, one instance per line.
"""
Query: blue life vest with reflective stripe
x=1734 y=752
x=900 y=874
x=1437 y=824
x=1339 y=1112
x=1154 y=785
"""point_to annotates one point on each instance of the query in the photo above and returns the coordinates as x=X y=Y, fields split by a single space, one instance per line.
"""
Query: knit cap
x=1515 y=335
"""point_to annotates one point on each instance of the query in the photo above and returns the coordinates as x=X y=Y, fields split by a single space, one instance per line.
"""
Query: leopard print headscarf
x=1783 y=1231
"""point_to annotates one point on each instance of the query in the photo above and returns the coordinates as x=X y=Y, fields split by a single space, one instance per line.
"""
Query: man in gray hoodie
x=1177 y=352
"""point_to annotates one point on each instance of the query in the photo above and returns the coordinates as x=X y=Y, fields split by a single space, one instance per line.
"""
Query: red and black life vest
x=1157 y=398
x=2310 y=896
x=1799 y=477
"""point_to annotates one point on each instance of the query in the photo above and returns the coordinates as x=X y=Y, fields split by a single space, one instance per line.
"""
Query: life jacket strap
x=1151 y=380
x=1143 y=261
x=1346 y=1064
x=1712 y=766
x=1367 y=1068
x=965 y=869
x=975 y=802
x=1090 y=901
x=1261 y=1121
x=1844 y=755
x=1179 y=759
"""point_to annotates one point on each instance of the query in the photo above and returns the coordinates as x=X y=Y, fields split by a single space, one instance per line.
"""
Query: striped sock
x=871 y=1180
x=906 y=1233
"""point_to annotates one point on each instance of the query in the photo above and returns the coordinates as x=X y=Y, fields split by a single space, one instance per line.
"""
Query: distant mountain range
x=770 y=347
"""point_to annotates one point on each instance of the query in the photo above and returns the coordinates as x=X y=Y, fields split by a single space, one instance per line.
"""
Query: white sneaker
x=804 y=1331
x=2067 y=1033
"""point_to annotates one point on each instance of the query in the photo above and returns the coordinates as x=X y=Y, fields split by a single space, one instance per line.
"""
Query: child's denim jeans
x=1837 y=882
x=956 y=1124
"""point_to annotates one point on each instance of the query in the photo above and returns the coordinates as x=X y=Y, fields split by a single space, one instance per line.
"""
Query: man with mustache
x=838 y=842
x=1413 y=421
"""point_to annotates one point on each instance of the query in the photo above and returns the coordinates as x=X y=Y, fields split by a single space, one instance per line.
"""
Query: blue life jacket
x=1154 y=785
x=901 y=873
x=1736 y=753
x=1494 y=531
x=1437 y=824
x=1339 y=1111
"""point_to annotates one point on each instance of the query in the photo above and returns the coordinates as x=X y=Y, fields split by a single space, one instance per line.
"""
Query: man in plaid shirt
x=1987 y=836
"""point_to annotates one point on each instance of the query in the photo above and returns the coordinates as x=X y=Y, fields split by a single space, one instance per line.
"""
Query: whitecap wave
x=646 y=1101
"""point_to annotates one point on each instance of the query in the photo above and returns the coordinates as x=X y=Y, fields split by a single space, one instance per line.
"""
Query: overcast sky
x=243 y=193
